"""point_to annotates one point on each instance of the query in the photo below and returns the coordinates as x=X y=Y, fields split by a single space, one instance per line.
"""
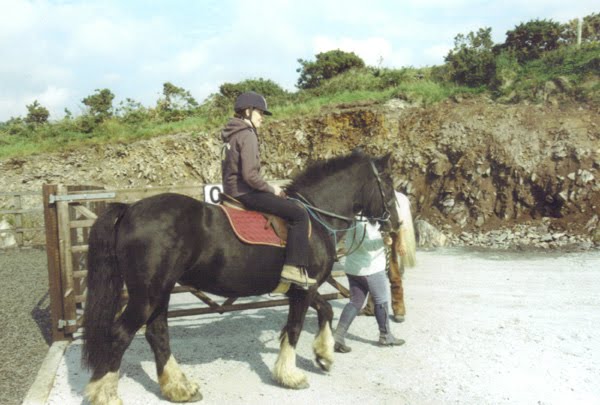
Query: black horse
x=158 y=241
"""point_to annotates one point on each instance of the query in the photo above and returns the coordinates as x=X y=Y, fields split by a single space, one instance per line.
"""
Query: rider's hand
x=387 y=240
x=277 y=190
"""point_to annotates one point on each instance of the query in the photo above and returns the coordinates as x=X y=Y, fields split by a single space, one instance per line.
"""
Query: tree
x=531 y=39
x=471 y=62
x=590 y=30
x=268 y=88
x=328 y=64
x=100 y=104
x=36 y=114
x=176 y=103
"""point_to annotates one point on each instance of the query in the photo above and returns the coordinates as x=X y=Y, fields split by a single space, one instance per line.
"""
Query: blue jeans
x=360 y=286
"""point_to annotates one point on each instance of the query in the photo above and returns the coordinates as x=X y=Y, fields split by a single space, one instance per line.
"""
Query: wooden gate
x=69 y=212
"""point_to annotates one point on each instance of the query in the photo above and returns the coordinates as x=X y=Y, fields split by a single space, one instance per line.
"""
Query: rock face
x=468 y=167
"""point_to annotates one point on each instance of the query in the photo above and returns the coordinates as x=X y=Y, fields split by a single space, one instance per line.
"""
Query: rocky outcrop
x=470 y=168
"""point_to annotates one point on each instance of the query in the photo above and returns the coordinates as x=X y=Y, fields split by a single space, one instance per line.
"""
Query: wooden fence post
x=54 y=271
x=18 y=203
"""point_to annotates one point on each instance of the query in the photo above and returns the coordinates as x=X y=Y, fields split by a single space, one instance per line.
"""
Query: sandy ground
x=481 y=328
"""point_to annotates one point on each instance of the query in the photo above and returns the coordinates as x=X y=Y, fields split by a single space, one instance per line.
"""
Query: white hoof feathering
x=323 y=347
x=175 y=386
x=285 y=371
x=104 y=390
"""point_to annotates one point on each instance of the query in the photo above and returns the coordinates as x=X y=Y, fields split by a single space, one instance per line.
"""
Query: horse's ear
x=384 y=163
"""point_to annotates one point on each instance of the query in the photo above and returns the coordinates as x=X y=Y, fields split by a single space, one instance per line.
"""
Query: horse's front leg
x=323 y=343
x=285 y=371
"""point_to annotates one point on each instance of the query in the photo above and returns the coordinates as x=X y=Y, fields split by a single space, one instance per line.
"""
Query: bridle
x=313 y=210
x=385 y=218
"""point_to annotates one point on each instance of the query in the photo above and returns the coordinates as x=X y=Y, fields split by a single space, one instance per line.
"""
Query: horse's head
x=380 y=203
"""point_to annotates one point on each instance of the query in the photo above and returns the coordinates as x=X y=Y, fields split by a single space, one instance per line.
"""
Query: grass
x=379 y=85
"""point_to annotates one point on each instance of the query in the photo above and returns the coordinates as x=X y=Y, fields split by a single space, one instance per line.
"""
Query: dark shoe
x=389 y=340
x=297 y=275
x=341 y=348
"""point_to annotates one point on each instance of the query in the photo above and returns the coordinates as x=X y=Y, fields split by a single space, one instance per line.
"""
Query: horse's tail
x=408 y=231
x=104 y=285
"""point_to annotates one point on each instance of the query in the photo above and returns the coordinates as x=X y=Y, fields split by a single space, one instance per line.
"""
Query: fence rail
x=18 y=216
x=69 y=212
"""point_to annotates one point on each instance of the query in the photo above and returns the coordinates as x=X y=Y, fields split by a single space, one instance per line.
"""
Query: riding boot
x=348 y=315
x=297 y=275
x=386 y=338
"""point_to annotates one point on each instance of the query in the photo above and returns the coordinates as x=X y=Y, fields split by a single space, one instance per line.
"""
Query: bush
x=100 y=104
x=590 y=30
x=328 y=65
x=132 y=112
x=175 y=104
x=531 y=39
x=222 y=102
x=36 y=114
x=472 y=61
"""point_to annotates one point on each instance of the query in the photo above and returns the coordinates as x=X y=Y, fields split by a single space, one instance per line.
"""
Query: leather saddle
x=254 y=227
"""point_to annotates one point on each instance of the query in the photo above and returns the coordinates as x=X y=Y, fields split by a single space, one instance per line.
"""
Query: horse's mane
x=320 y=169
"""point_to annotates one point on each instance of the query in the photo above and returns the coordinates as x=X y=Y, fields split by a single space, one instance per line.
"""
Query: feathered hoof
x=293 y=379
x=398 y=318
x=182 y=391
x=103 y=391
x=324 y=363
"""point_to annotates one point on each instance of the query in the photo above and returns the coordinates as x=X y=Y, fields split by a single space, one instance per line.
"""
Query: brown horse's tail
x=104 y=285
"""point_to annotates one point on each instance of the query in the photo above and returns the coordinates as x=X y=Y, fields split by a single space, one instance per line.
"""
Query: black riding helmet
x=251 y=99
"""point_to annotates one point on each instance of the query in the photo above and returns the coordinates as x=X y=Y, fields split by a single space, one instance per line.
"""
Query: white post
x=579 y=27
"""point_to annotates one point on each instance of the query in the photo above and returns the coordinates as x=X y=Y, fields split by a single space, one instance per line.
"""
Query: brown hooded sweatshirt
x=240 y=166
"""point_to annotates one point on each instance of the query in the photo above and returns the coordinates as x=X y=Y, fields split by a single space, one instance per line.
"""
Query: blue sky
x=59 y=52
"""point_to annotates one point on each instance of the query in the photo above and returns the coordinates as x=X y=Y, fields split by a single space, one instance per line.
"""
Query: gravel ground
x=482 y=328
x=24 y=320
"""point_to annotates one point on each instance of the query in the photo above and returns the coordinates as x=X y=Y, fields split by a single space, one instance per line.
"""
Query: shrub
x=531 y=39
x=100 y=104
x=222 y=102
x=471 y=62
x=590 y=30
x=132 y=112
x=327 y=65
x=36 y=114
x=175 y=104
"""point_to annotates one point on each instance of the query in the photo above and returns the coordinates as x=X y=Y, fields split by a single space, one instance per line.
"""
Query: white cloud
x=374 y=51
x=54 y=99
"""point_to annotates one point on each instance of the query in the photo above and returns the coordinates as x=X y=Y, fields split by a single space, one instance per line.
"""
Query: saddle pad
x=252 y=227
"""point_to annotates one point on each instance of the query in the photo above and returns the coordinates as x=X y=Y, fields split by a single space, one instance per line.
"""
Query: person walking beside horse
x=402 y=255
x=364 y=268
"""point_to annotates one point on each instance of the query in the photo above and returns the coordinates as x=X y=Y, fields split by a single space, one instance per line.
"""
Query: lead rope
x=388 y=258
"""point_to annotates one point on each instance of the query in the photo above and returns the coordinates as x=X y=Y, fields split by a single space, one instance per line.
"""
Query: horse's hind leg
x=285 y=371
x=323 y=343
x=102 y=389
x=174 y=385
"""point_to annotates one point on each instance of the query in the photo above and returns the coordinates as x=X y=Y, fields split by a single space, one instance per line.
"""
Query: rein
x=311 y=209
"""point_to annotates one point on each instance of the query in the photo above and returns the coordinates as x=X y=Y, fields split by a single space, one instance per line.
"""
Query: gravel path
x=24 y=320
x=482 y=328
